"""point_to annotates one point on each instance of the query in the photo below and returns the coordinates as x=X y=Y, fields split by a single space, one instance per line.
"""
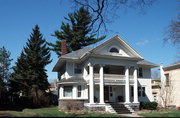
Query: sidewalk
x=131 y=115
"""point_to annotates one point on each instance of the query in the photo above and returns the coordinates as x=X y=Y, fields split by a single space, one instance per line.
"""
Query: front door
x=106 y=93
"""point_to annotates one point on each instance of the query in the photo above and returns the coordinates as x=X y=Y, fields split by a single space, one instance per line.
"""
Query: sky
x=144 y=32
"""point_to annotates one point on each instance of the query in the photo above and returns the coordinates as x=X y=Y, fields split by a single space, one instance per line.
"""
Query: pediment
x=116 y=46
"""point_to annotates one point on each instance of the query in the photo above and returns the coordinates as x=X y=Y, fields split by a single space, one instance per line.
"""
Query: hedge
x=148 y=105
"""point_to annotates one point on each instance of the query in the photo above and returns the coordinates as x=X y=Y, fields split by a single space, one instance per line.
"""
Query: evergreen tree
x=77 y=32
x=5 y=63
x=19 y=80
x=30 y=73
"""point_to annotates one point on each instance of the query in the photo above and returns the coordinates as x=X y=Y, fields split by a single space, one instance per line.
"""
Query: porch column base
x=127 y=102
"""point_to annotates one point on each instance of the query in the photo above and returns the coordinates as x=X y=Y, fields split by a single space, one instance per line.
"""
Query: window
x=141 y=92
x=132 y=91
x=167 y=79
x=140 y=72
x=79 y=90
x=77 y=69
x=115 y=50
x=106 y=70
x=67 y=91
x=111 y=91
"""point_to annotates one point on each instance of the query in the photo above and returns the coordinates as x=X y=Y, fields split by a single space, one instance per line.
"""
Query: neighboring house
x=156 y=86
x=112 y=72
x=170 y=85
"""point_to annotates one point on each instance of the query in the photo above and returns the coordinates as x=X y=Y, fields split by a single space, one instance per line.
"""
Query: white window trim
x=119 y=49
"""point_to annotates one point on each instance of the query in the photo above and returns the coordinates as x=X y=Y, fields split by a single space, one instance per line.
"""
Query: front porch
x=108 y=87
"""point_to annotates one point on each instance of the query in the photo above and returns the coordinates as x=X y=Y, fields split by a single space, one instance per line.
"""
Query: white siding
x=144 y=82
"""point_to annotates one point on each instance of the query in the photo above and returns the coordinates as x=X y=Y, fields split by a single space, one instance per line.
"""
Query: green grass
x=166 y=113
x=54 y=112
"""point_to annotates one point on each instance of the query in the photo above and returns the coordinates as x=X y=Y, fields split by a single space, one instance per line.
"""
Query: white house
x=111 y=73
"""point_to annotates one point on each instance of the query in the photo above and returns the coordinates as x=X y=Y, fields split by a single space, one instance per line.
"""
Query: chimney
x=63 y=47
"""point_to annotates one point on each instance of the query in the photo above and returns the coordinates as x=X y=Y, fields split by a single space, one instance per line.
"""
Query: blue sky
x=143 y=32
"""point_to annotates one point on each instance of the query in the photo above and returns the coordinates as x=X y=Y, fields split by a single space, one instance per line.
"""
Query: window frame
x=65 y=89
x=79 y=91
x=141 y=91
x=140 y=72
x=167 y=79
x=77 y=68
x=114 y=50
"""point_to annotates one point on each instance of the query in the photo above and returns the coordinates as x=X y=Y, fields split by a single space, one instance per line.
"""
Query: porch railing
x=113 y=78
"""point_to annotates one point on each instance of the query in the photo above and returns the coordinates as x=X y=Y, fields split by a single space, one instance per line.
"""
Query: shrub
x=71 y=105
x=148 y=105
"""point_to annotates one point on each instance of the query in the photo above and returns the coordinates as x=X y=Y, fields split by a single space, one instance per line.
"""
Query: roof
x=172 y=66
x=78 y=53
x=147 y=63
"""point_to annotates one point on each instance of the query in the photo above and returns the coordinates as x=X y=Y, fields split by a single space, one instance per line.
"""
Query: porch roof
x=147 y=63
x=71 y=80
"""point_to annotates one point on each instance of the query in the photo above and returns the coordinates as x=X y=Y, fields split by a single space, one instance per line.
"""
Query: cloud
x=142 y=43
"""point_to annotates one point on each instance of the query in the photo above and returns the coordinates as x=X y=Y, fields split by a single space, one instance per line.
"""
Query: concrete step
x=120 y=109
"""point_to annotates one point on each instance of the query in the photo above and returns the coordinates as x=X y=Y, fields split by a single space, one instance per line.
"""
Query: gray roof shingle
x=145 y=62
x=77 y=53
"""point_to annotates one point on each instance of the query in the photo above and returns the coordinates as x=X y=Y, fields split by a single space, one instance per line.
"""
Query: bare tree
x=105 y=11
x=173 y=31
x=166 y=94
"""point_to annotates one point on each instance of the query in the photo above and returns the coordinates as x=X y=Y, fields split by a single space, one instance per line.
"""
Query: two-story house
x=169 y=95
x=112 y=72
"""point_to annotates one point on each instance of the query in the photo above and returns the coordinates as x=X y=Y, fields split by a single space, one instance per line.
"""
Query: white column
x=135 y=86
x=127 y=85
x=91 y=84
x=101 y=84
x=85 y=73
x=60 y=92
x=74 y=91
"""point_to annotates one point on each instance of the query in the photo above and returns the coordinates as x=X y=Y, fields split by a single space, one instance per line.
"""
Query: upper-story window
x=167 y=79
x=140 y=72
x=77 y=69
x=114 y=50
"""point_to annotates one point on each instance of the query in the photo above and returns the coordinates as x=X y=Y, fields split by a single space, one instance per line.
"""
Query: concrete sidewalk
x=131 y=115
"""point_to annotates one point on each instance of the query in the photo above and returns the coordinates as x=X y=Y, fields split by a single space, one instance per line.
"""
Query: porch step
x=120 y=108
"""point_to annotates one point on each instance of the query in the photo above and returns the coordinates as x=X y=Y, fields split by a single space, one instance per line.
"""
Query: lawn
x=164 y=113
x=52 y=112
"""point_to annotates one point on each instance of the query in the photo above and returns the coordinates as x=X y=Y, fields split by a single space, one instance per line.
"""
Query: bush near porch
x=148 y=105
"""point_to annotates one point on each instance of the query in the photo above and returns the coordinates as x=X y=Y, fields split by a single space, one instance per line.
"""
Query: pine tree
x=77 y=32
x=19 y=80
x=30 y=73
x=5 y=62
